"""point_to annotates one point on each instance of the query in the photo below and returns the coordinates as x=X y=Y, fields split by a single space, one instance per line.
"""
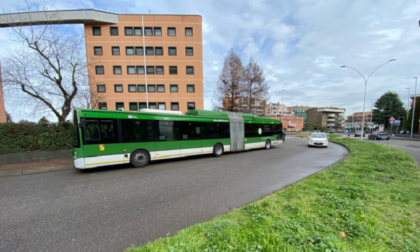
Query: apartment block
x=153 y=61
x=300 y=111
x=327 y=117
x=135 y=61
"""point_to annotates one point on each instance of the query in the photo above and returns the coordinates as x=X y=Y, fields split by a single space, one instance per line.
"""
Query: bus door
x=191 y=141
x=167 y=140
x=101 y=142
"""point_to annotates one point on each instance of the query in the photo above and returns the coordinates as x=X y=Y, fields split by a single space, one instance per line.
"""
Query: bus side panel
x=103 y=154
x=130 y=147
x=211 y=142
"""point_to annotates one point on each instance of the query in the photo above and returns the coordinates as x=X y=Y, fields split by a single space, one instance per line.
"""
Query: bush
x=22 y=137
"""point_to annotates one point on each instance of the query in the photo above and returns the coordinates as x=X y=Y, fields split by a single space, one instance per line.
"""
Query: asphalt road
x=412 y=147
x=110 y=209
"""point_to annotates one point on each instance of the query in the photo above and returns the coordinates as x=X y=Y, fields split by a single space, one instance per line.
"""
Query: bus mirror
x=82 y=123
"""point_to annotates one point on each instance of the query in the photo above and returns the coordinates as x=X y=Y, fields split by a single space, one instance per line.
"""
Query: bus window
x=109 y=131
x=166 y=131
x=190 y=130
x=137 y=131
x=91 y=131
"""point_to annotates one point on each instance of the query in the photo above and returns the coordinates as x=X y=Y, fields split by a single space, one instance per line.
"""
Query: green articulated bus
x=104 y=137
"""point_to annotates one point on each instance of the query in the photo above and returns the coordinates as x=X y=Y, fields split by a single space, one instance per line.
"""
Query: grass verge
x=368 y=202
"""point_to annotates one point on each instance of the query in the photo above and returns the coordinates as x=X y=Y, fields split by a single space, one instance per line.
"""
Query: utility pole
x=408 y=103
x=414 y=108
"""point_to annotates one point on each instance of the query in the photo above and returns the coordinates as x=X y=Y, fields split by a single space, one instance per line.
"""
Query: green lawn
x=368 y=202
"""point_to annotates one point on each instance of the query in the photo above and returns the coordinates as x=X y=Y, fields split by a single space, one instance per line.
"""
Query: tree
x=9 y=117
x=230 y=83
x=416 y=117
x=254 y=84
x=43 y=120
x=49 y=68
x=389 y=104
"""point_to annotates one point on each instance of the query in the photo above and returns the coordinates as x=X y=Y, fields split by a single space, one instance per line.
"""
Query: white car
x=318 y=139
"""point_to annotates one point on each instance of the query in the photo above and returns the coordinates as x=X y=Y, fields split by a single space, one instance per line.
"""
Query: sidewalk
x=27 y=168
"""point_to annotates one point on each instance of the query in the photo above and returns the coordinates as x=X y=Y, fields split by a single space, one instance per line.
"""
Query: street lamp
x=282 y=102
x=364 y=97
x=408 y=102
x=414 y=108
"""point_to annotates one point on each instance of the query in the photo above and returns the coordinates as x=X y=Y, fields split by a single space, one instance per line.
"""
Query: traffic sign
x=392 y=120
x=397 y=123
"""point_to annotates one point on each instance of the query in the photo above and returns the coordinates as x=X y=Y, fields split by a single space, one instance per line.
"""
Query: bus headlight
x=75 y=155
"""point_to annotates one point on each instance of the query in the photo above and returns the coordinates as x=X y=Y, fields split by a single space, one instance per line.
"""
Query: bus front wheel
x=217 y=150
x=268 y=144
x=140 y=158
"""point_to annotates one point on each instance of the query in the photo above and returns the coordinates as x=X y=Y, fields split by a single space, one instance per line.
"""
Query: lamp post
x=282 y=102
x=414 y=108
x=364 y=97
x=408 y=102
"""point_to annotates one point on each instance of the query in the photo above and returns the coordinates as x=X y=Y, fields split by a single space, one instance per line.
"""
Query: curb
x=24 y=172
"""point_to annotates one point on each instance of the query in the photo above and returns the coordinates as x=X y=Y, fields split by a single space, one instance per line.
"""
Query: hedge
x=22 y=137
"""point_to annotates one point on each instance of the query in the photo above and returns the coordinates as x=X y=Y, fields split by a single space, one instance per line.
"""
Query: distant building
x=291 y=122
x=274 y=109
x=355 y=120
x=300 y=111
x=242 y=105
x=326 y=117
x=2 y=109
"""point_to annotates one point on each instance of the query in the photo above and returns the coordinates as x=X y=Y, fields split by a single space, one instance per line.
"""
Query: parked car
x=358 y=133
x=331 y=131
x=338 y=131
x=317 y=131
x=404 y=132
x=379 y=135
x=318 y=139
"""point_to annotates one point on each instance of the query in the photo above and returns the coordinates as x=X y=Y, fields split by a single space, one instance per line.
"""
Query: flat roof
x=79 y=16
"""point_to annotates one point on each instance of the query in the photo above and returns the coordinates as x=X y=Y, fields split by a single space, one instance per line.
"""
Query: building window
x=101 y=88
x=99 y=69
x=137 y=31
x=141 y=88
x=172 y=51
x=159 y=69
x=174 y=106
x=151 y=88
x=113 y=31
x=189 y=51
x=150 y=70
x=161 y=88
x=190 y=88
x=96 y=31
x=128 y=31
x=148 y=31
x=171 y=31
x=191 y=105
x=131 y=70
x=97 y=50
x=190 y=70
x=149 y=50
x=119 y=105
x=140 y=69
x=139 y=50
x=142 y=105
x=118 y=88
x=129 y=50
x=158 y=31
x=174 y=88
x=133 y=106
x=173 y=70
x=117 y=69
x=158 y=51
x=152 y=105
x=131 y=88
x=162 y=106
x=102 y=105
x=115 y=50
x=188 y=31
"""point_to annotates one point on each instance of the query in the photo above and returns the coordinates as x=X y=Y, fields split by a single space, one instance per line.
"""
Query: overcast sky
x=300 y=44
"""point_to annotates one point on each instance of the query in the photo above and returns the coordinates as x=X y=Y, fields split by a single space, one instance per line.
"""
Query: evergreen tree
x=389 y=104
x=416 y=117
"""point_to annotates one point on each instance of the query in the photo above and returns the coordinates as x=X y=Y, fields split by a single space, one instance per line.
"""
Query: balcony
x=331 y=115
x=330 y=120
x=330 y=124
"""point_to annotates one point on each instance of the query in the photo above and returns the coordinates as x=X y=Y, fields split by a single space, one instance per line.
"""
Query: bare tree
x=230 y=84
x=50 y=67
x=255 y=87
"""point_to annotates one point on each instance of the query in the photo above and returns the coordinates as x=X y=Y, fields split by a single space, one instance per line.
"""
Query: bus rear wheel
x=268 y=144
x=139 y=158
x=217 y=150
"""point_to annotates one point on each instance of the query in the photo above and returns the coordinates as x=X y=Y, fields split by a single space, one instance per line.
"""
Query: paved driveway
x=110 y=209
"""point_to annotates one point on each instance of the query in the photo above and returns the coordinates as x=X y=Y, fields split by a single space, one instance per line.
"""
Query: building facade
x=242 y=105
x=2 y=108
x=135 y=61
x=274 y=109
x=156 y=62
x=326 y=117
x=354 y=121
x=300 y=111
x=291 y=122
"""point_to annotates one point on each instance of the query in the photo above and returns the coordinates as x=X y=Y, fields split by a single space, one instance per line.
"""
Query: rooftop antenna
x=150 y=12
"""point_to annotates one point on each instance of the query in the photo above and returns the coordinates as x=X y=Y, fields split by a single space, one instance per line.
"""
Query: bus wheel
x=139 y=158
x=217 y=150
x=268 y=144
